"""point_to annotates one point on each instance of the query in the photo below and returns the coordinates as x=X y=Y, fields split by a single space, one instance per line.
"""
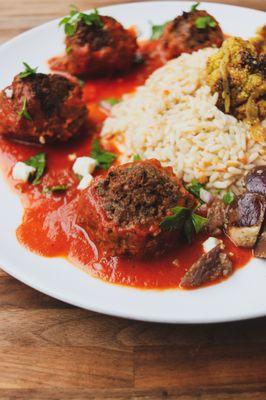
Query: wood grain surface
x=50 y=350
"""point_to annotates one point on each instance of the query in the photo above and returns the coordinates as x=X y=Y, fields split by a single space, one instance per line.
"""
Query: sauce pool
x=48 y=227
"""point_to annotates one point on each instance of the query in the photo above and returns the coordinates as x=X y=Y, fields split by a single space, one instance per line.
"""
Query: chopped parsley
x=228 y=197
x=194 y=6
x=136 y=157
x=39 y=163
x=112 y=101
x=104 y=158
x=205 y=22
x=75 y=16
x=24 y=112
x=184 y=219
x=68 y=49
x=194 y=188
x=28 y=71
x=55 y=189
x=157 y=31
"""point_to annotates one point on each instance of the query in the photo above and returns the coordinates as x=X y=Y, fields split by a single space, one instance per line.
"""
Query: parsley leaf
x=28 y=71
x=24 y=112
x=68 y=49
x=75 y=16
x=184 y=219
x=198 y=222
x=194 y=188
x=38 y=162
x=194 y=6
x=189 y=230
x=175 y=221
x=228 y=197
x=110 y=102
x=136 y=157
x=157 y=31
x=104 y=158
x=55 y=189
x=205 y=22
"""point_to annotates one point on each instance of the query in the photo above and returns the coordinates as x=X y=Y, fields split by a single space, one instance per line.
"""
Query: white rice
x=173 y=118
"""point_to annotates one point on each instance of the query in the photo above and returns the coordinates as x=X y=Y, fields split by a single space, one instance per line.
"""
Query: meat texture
x=185 y=35
x=41 y=109
x=244 y=219
x=213 y=265
x=124 y=210
x=95 y=50
x=255 y=181
x=216 y=217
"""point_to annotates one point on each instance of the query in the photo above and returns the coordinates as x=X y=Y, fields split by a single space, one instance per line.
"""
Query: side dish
x=151 y=171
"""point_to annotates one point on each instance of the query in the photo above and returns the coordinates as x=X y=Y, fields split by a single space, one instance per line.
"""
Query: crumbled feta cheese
x=210 y=243
x=9 y=93
x=72 y=157
x=22 y=171
x=85 y=182
x=84 y=166
x=205 y=195
x=42 y=140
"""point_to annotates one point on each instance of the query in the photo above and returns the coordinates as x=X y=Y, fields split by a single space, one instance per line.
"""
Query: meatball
x=189 y=32
x=41 y=109
x=124 y=209
x=237 y=73
x=100 y=49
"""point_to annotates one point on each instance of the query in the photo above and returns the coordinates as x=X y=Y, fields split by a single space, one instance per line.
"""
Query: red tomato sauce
x=48 y=227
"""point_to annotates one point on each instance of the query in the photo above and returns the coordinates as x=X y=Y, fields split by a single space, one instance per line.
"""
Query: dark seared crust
x=260 y=248
x=97 y=37
x=54 y=104
x=100 y=51
x=216 y=217
x=211 y=266
x=138 y=193
x=182 y=36
x=123 y=212
x=255 y=181
x=50 y=90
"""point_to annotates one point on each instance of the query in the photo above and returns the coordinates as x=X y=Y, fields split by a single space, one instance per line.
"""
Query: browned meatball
x=124 y=210
x=41 y=109
x=95 y=50
x=189 y=32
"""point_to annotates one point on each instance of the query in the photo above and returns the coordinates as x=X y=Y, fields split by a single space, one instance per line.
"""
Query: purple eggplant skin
x=244 y=219
x=255 y=181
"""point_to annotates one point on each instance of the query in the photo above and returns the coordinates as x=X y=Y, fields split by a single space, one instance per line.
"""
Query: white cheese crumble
x=72 y=157
x=210 y=243
x=84 y=166
x=22 y=171
x=85 y=182
x=9 y=93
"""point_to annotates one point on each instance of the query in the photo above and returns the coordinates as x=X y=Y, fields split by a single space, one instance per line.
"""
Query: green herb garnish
x=38 y=162
x=68 y=49
x=175 y=221
x=136 y=157
x=194 y=6
x=111 y=100
x=194 y=188
x=55 y=189
x=184 y=219
x=157 y=31
x=24 y=112
x=28 y=71
x=205 y=22
x=75 y=16
x=104 y=158
x=228 y=197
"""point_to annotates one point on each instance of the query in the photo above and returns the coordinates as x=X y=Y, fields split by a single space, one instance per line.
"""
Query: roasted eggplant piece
x=260 y=248
x=212 y=265
x=244 y=219
x=255 y=181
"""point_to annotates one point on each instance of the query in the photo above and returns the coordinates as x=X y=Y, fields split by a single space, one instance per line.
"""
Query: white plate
x=241 y=296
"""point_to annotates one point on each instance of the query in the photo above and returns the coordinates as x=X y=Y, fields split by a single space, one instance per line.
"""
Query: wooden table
x=50 y=350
